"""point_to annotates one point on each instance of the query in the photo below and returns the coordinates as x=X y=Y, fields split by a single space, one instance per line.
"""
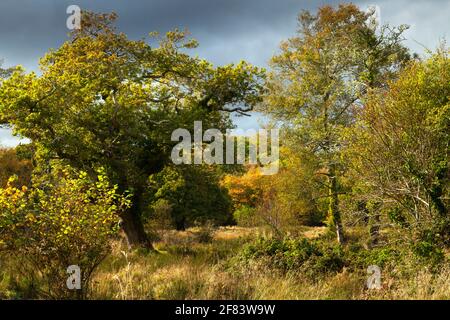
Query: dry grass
x=235 y=232
x=185 y=269
x=422 y=286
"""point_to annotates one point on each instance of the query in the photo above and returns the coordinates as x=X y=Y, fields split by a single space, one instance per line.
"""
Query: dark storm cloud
x=228 y=30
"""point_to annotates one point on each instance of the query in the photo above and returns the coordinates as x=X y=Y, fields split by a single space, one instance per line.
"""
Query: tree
x=104 y=100
x=400 y=148
x=286 y=200
x=320 y=79
x=245 y=189
x=4 y=73
x=299 y=190
x=193 y=193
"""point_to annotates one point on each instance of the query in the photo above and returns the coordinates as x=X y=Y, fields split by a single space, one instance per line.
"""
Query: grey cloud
x=228 y=30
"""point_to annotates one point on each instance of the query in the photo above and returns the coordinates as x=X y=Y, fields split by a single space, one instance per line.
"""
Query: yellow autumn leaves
x=69 y=210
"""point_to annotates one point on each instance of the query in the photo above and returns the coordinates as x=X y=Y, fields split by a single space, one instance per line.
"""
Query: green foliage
x=400 y=148
x=245 y=216
x=331 y=259
x=397 y=216
x=69 y=221
x=428 y=247
x=193 y=194
x=366 y=134
x=429 y=251
x=361 y=258
x=161 y=215
x=315 y=258
x=299 y=189
x=318 y=83
x=311 y=257
x=105 y=100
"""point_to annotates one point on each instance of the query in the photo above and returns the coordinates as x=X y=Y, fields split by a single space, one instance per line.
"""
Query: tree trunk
x=133 y=227
x=134 y=230
x=333 y=205
x=180 y=224
x=374 y=224
x=374 y=229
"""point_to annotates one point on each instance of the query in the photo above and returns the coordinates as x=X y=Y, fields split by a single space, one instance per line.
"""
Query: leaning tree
x=103 y=100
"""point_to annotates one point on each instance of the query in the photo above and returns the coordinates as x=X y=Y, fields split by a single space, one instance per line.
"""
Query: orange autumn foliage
x=247 y=189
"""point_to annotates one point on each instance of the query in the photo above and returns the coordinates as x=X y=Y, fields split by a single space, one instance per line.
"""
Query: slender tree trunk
x=374 y=229
x=334 y=215
x=333 y=205
x=374 y=224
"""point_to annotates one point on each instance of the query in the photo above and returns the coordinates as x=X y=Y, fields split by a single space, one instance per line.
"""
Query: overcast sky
x=227 y=30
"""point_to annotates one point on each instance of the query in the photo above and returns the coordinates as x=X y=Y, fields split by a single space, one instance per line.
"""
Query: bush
x=193 y=194
x=67 y=222
x=314 y=258
x=429 y=252
x=329 y=259
x=245 y=216
x=161 y=217
x=359 y=258
x=287 y=254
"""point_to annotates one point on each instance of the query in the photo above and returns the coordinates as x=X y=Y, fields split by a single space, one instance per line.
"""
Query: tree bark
x=134 y=230
x=333 y=205
x=374 y=224
x=374 y=229
x=133 y=227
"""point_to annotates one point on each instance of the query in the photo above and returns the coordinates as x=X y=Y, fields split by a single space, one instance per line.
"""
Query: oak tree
x=104 y=100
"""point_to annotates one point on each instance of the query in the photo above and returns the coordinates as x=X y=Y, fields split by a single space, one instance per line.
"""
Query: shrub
x=429 y=252
x=161 y=217
x=67 y=222
x=193 y=193
x=329 y=259
x=296 y=254
x=314 y=258
x=245 y=216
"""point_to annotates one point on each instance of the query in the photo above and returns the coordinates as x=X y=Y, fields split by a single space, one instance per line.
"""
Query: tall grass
x=186 y=268
x=192 y=270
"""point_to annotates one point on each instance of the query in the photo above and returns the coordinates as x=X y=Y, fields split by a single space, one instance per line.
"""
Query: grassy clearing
x=186 y=269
